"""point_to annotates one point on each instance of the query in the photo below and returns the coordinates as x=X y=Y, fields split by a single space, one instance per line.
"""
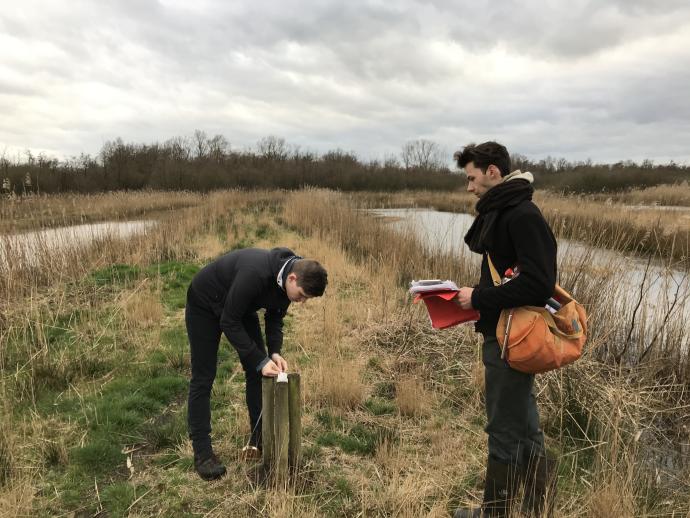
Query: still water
x=445 y=231
x=24 y=246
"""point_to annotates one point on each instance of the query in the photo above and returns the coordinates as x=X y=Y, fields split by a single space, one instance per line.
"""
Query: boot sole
x=212 y=476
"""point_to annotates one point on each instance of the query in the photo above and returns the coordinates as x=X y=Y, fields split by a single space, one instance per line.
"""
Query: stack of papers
x=432 y=285
x=438 y=297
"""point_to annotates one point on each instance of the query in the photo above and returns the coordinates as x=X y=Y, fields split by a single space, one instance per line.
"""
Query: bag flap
x=522 y=322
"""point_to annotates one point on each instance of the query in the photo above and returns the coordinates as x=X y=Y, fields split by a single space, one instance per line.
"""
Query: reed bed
x=676 y=195
x=616 y=222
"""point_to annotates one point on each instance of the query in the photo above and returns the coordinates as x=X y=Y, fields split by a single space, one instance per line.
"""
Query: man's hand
x=464 y=298
x=280 y=362
x=270 y=370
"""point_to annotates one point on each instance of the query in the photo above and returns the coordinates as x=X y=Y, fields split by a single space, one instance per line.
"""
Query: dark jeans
x=511 y=410
x=203 y=330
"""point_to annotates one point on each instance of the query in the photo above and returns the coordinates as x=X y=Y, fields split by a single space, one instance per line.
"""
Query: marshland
x=94 y=358
x=142 y=141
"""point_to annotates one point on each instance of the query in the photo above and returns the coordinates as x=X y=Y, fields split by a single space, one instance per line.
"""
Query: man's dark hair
x=311 y=276
x=484 y=155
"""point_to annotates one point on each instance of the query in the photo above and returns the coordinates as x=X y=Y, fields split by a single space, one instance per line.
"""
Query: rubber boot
x=540 y=487
x=502 y=482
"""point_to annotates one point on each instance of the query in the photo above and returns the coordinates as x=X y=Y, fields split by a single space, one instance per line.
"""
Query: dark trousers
x=511 y=410
x=203 y=330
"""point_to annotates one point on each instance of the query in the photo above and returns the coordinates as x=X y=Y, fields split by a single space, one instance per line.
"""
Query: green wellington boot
x=502 y=482
x=540 y=487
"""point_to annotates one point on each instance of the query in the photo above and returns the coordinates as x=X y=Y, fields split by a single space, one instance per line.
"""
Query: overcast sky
x=607 y=80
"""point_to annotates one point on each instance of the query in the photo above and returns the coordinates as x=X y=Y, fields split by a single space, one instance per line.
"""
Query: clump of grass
x=337 y=383
x=98 y=456
x=378 y=406
x=412 y=398
x=141 y=308
x=166 y=430
x=361 y=439
x=6 y=456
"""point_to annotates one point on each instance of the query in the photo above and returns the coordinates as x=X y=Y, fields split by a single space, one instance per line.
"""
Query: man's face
x=477 y=182
x=294 y=292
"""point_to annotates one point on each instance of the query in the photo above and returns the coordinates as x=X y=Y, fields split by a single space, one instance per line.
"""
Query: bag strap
x=494 y=273
x=554 y=328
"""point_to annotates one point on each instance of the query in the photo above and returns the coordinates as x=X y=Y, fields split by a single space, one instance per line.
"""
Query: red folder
x=443 y=312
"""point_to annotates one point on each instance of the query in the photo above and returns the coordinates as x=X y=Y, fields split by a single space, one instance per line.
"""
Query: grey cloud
x=356 y=75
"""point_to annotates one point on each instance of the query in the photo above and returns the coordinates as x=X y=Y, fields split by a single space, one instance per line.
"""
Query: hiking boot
x=209 y=467
x=540 y=487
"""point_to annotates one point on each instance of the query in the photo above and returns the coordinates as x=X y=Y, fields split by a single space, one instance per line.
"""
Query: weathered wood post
x=282 y=429
x=267 y=401
x=295 y=404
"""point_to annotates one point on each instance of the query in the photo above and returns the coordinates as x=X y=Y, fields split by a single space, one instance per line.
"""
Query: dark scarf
x=500 y=197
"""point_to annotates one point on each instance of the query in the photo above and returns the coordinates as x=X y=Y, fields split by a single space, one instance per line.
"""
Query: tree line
x=202 y=163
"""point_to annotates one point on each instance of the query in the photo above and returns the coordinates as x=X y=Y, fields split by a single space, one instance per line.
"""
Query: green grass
x=360 y=439
x=378 y=406
x=117 y=498
x=116 y=274
x=138 y=404
x=385 y=390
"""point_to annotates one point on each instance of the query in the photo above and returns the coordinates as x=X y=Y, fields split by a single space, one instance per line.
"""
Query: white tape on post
x=282 y=377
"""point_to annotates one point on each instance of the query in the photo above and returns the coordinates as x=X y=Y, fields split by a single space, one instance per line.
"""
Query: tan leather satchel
x=534 y=340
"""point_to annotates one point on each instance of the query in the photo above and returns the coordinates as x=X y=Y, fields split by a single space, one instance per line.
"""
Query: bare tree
x=200 y=144
x=217 y=148
x=179 y=148
x=273 y=148
x=422 y=154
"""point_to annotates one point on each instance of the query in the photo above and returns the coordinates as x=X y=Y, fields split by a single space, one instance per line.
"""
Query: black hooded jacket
x=521 y=237
x=235 y=286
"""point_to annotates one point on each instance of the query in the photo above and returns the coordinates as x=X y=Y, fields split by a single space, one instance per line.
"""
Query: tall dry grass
x=621 y=333
x=611 y=223
x=618 y=409
x=666 y=195
x=615 y=427
x=46 y=263
x=37 y=292
x=45 y=211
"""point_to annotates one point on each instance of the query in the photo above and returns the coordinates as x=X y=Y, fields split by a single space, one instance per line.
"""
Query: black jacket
x=523 y=238
x=238 y=284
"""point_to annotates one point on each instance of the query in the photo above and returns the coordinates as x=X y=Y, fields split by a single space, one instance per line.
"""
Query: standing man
x=512 y=231
x=224 y=297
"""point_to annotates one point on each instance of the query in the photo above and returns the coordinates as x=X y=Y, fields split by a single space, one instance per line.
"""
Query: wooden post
x=267 y=401
x=282 y=430
x=295 y=407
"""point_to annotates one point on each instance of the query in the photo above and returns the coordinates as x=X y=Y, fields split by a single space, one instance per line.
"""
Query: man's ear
x=292 y=276
x=493 y=171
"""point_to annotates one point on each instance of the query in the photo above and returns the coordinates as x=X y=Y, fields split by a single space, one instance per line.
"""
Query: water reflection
x=26 y=245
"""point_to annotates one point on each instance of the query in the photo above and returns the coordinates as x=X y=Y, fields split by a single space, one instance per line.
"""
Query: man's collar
x=519 y=175
x=280 y=279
